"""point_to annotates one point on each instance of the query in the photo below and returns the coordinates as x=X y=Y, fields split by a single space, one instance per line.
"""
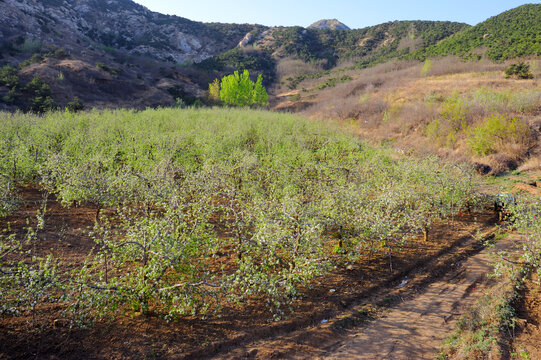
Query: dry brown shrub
x=532 y=163
x=415 y=116
x=292 y=67
x=454 y=65
x=500 y=163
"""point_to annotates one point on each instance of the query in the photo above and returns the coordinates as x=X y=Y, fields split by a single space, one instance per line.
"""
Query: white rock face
x=246 y=40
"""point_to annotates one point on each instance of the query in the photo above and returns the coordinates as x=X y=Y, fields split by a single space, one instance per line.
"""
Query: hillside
x=268 y=50
x=106 y=53
x=119 y=54
x=116 y=24
x=512 y=34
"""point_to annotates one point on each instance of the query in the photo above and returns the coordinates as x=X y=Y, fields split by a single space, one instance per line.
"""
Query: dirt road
x=415 y=328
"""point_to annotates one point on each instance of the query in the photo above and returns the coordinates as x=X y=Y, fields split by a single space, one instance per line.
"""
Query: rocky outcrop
x=117 y=24
x=328 y=24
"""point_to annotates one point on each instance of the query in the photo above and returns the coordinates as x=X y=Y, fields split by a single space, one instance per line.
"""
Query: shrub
x=521 y=70
x=60 y=54
x=41 y=100
x=75 y=105
x=9 y=76
x=455 y=111
x=103 y=67
x=495 y=131
x=34 y=59
x=426 y=67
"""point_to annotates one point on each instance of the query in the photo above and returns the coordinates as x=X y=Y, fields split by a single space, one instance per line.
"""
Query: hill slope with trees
x=511 y=34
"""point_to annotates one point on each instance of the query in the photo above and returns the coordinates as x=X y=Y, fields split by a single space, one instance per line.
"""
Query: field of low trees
x=195 y=208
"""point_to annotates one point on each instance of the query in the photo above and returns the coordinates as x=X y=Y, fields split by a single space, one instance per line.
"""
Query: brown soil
x=361 y=292
x=528 y=333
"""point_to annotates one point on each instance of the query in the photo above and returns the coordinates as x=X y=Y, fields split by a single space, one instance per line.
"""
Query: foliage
x=375 y=44
x=240 y=90
x=9 y=76
x=369 y=46
x=106 y=68
x=34 y=59
x=8 y=197
x=524 y=217
x=455 y=110
x=75 y=105
x=41 y=100
x=521 y=70
x=181 y=95
x=253 y=61
x=213 y=206
x=506 y=100
x=214 y=91
x=479 y=330
x=512 y=34
x=485 y=138
x=426 y=67
x=35 y=96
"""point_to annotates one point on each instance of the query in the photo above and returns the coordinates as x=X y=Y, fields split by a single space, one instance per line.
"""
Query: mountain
x=268 y=47
x=104 y=52
x=119 y=24
x=328 y=24
x=116 y=53
x=511 y=34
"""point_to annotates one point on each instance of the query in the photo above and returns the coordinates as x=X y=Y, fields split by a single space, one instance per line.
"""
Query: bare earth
x=416 y=328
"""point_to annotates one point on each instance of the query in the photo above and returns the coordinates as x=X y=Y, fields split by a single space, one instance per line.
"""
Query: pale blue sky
x=355 y=14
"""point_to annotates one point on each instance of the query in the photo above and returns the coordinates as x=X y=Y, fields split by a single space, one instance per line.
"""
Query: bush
x=455 y=110
x=41 y=101
x=103 y=67
x=75 y=105
x=521 y=70
x=495 y=131
x=9 y=76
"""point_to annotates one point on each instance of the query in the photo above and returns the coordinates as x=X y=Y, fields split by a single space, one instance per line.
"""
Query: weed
x=497 y=130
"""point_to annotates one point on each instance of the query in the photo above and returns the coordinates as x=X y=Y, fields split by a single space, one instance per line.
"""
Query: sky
x=353 y=13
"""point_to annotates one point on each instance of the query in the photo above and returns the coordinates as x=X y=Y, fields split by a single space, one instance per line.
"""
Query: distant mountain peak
x=331 y=24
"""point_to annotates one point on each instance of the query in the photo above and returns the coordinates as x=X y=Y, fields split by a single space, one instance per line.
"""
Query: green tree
x=238 y=90
x=214 y=91
x=260 y=95
x=41 y=92
x=75 y=105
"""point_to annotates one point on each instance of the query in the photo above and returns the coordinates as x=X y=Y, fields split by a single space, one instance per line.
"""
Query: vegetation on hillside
x=512 y=34
x=33 y=96
x=366 y=46
x=254 y=61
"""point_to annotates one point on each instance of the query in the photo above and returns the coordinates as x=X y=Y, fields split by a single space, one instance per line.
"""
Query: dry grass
x=292 y=67
x=531 y=163
x=395 y=101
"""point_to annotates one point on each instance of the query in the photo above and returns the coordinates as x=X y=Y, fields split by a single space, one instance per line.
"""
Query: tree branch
x=200 y=283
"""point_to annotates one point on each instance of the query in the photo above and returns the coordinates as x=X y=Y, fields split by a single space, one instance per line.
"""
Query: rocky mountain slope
x=119 y=24
x=329 y=24
x=104 y=52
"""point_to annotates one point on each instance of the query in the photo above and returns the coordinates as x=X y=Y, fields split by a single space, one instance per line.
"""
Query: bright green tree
x=214 y=91
x=238 y=90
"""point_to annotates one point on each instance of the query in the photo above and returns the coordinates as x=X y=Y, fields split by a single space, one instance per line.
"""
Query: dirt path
x=416 y=328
